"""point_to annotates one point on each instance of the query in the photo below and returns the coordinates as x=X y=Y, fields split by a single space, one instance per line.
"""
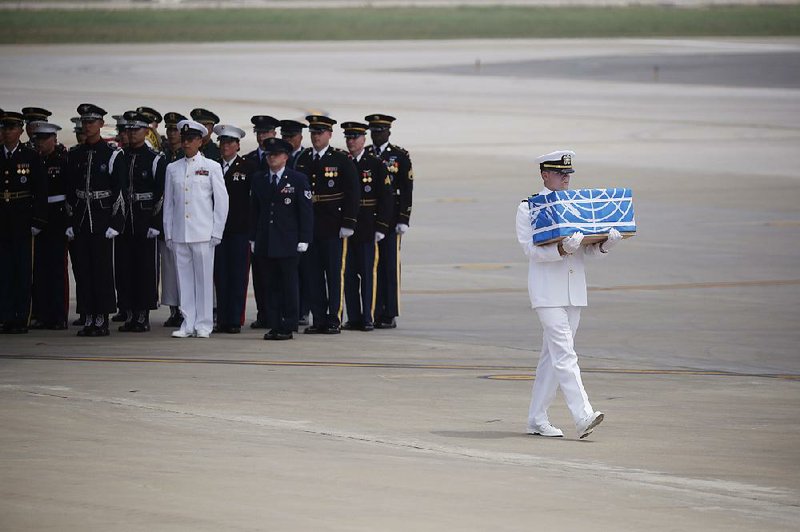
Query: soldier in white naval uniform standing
x=195 y=210
x=557 y=289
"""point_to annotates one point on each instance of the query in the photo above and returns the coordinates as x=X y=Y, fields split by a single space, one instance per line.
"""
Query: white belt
x=56 y=199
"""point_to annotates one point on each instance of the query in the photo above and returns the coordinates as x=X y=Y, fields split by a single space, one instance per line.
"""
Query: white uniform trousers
x=170 y=295
x=558 y=366
x=196 y=284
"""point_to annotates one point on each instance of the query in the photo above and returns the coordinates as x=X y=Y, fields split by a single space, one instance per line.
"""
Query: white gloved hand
x=152 y=233
x=252 y=247
x=111 y=233
x=344 y=232
x=70 y=233
x=614 y=237
x=401 y=228
x=302 y=247
x=572 y=242
x=379 y=236
x=170 y=245
x=35 y=231
x=215 y=241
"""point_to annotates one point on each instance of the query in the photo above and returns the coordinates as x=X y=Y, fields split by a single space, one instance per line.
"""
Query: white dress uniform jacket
x=553 y=280
x=195 y=200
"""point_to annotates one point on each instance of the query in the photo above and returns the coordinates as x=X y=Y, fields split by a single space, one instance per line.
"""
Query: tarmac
x=689 y=344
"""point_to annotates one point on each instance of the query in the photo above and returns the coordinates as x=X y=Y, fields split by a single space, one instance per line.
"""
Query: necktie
x=225 y=167
x=274 y=180
x=316 y=157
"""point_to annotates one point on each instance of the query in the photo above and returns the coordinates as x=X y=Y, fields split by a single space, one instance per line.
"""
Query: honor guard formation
x=177 y=220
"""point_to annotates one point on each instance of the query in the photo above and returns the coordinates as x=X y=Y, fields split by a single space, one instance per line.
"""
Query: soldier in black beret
x=334 y=184
x=209 y=149
x=401 y=174
x=372 y=227
x=136 y=248
x=50 y=277
x=96 y=173
x=23 y=212
x=280 y=231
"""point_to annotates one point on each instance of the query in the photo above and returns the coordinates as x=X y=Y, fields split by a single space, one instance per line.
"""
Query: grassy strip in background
x=99 y=26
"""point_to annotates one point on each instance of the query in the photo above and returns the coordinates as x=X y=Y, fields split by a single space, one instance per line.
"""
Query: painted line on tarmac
x=528 y=375
x=619 y=288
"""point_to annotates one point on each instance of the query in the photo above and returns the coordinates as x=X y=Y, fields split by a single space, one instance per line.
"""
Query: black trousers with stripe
x=359 y=281
x=324 y=272
x=387 y=301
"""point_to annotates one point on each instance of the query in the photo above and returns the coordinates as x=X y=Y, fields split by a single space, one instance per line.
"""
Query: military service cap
x=78 y=126
x=225 y=132
x=32 y=114
x=43 y=128
x=172 y=118
x=262 y=123
x=121 y=122
x=291 y=127
x=190 y=128
x=354 y=129
x=204 y=116
x=320 y=123
x=560 y=161
x=276 y=145
x=11 y=119
x=379 y=121
x=136 y=120
x=151 y=114
x=89 y=111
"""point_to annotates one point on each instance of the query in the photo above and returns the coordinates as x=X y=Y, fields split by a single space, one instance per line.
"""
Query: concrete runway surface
x=690 y=342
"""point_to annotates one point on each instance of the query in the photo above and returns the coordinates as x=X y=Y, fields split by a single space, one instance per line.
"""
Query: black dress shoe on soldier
x=331 y=329
x=128 y=326
x=258 y=324
x=270 y=335
x=58 y=326
x=386 y=324
x=367 y=327
x=283 y=336
x=351 y=326
x=81 y=320
x=122 y=315
x=233 y=329
x=312 y=329
x=86 y=331
x=37 y=324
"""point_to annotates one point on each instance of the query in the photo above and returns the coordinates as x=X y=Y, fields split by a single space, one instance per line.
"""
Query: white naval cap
x=40 y=127
x=227 y=130
x=560 y=160
x=190 y=127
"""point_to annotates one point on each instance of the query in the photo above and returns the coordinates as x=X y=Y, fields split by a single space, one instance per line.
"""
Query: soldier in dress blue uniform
x=50 y=275
x=137 y=247
x=372 y=227
x=169 y=273
x=232 y=255
x=96 y=173
x=398 y=163
x=281 y=228
x=210 y=150
x=23 y=215
x=334 y=184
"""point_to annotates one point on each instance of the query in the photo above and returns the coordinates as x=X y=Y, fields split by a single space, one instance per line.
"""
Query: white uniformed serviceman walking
x=557 y=288
x=195 y=210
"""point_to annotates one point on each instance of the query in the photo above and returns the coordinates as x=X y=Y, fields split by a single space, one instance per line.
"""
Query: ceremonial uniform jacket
x=553 y=280
x=376 y=199
x=96 y=174
x=144 y=189
x=58 y=210
x=398 y=164
x=256 y=160
x=282 y=215
x=23 y=203
x=211 y=151
x=237 y=183
x=195 y=200
x=335 y=190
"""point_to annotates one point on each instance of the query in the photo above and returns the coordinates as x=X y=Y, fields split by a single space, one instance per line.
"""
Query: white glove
x=152 y=233
x=379 y=236
x=401 y=229
x=35 y=231
x=302 y=247
x=170 y=245
x=344 y=232
x=70 y=233
x=614 y=237
x=111 y=233
x=215 y=241
x=252 y=247
x=572 y=242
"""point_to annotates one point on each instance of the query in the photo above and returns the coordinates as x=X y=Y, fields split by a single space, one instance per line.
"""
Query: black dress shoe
x=128 y=326
x=271 y=335
x=312 y=329
x=100 y=331
x=58 y=326
x=233 y=329
x=386 y=324
x=86 y=331
x=120 y=316
x=174 y=321
x=218 y=329
x=140 y=327
x=351 y=326
x=283 y=336
x=36 y=324
x=367 y=327
x=258 y=324
x=331 y=329
x=80 y=321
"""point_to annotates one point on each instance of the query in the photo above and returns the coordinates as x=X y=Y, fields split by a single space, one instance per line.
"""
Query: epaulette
x=153 y=151
x=339 y=150
x=399 y=148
